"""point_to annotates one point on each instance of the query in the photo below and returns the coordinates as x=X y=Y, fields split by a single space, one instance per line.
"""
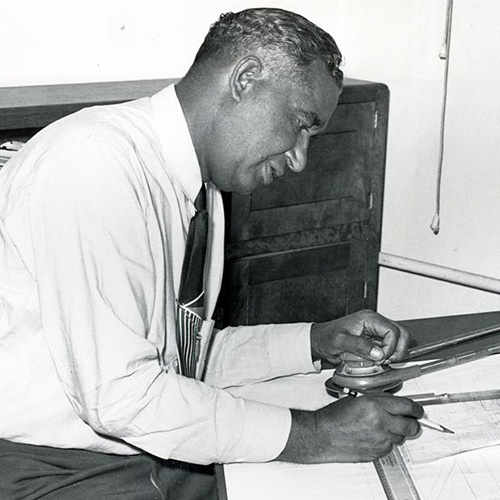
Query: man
x=95 y=212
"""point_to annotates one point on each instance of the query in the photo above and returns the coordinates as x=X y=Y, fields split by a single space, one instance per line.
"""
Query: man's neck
x=199 y=105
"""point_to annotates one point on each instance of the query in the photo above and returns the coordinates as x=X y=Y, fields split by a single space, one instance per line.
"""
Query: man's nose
x=297 y=156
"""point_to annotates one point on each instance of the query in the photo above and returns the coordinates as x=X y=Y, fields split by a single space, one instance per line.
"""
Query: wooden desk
x=424 y=332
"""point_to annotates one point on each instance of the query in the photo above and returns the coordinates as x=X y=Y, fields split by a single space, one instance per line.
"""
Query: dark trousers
x=39 y=472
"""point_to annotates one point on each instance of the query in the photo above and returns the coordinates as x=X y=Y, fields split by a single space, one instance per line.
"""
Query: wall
x=55 y=41
x=399 y=44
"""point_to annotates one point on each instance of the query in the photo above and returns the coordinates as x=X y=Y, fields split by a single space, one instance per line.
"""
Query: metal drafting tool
x=454 y=397
x=395 y=477
x=357 y=375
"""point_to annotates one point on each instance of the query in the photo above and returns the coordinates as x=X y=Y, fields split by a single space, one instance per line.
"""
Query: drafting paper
x=472 y=475
x=476 y=423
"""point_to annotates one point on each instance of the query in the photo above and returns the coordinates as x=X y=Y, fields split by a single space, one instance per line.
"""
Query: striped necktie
x=191 y=295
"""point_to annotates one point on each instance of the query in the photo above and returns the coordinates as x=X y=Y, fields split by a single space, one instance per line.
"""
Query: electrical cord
x=443 y=54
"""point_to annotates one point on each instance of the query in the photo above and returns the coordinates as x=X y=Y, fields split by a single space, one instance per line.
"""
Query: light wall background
x=392 y=41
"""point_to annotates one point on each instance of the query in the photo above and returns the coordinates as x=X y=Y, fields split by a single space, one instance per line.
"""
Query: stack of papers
x=8 y=150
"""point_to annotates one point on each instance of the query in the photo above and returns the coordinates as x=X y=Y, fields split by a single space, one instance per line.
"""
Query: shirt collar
x=177 y=145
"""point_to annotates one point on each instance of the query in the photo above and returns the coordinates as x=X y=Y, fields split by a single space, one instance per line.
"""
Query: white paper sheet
x=282 y=481
x=476 y=424
x=474 y=475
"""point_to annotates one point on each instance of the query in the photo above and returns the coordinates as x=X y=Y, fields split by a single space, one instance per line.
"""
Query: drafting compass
x=356 y=375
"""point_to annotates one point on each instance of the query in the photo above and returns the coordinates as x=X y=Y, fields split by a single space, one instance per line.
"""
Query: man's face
x=269 y=130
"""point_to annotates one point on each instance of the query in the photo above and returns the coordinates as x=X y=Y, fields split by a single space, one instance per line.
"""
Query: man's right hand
x=352 y=429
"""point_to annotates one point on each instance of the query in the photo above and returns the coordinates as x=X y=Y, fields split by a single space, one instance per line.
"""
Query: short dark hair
x=274 y=31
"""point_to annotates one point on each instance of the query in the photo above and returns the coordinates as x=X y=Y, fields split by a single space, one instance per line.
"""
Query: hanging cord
x=443 y=54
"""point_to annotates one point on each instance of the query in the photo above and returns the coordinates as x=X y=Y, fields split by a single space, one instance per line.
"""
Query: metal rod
x=439 y=272
x=459 y=359
x=454 y=397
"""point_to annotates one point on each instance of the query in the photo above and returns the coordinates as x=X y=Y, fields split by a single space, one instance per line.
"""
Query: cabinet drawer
x=312 y=284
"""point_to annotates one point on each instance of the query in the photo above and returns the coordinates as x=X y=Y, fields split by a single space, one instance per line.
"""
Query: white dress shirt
x=94 y=213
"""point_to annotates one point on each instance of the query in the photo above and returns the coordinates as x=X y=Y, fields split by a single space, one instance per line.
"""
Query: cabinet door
x=312 y=284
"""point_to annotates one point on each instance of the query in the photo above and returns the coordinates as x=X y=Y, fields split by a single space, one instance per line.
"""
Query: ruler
x=395 y=477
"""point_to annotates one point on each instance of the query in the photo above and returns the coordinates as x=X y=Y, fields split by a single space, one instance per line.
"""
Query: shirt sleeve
x=95 y=277
x=248 y=354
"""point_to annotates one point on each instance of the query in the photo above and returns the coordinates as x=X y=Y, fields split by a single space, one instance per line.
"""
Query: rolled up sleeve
x=249 y=354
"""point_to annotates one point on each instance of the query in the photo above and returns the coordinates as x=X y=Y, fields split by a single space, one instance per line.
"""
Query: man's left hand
x=365 y=333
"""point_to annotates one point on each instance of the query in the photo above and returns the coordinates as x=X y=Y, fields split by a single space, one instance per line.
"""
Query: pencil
x=434 y=425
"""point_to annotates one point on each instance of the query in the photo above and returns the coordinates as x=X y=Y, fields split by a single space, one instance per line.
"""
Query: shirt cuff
x=264 y=433
x=290 y=349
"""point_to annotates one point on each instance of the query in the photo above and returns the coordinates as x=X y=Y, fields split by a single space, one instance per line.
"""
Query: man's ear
x=246 y=72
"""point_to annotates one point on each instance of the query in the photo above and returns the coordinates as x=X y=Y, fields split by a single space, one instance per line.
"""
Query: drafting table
x=277 y=478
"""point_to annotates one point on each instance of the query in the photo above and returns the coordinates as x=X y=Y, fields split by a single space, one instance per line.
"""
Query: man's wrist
x=299 y=441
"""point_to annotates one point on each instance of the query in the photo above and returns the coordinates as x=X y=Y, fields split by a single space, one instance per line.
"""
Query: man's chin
x=245 y=190
x=239 y=188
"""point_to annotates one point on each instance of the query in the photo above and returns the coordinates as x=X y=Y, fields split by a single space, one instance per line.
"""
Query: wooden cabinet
x=301 y=249
x=25 y=110
x=305 y=248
